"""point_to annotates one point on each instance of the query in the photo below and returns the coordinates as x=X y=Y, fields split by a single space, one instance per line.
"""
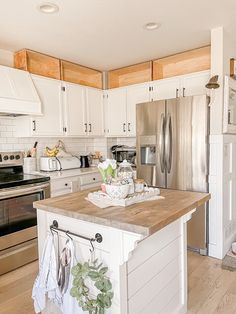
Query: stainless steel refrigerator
x=172 y=152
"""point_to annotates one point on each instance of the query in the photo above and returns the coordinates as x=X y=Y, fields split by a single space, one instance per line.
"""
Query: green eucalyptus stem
x=97 y=273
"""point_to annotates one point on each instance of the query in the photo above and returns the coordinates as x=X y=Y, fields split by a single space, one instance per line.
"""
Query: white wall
x=6 y=57
x=222 y=174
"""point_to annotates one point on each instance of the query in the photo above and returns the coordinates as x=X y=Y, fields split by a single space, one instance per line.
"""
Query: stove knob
x=12 y=157
x=5 y=157
x=17 y=157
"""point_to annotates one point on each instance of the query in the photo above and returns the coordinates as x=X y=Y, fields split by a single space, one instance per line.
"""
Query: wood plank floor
x=211 y=289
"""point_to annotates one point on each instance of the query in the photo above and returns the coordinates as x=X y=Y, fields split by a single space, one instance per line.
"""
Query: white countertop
x=54 y=175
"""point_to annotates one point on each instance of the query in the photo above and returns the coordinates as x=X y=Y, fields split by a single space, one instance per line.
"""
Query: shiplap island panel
x=144 y=246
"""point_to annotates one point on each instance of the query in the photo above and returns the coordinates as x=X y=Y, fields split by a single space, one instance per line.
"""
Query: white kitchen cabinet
x=121 y=108
x=95 y=112
x=67 y=110
x=194 y=84
x=184 y=85
x=83 y=110
x=51 y=122
x=116 y=112
x=74 y=109
x=165 y=89
x=135 y=94
x=64 y=186
x=75 y=183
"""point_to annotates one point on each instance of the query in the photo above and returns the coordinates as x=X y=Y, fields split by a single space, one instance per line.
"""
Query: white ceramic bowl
x=116 y=191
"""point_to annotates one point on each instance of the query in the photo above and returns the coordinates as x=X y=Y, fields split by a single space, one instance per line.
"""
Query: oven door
x=18 y=218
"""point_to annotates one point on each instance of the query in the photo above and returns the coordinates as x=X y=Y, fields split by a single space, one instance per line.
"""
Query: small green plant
x=80 y=291
x=107 y=169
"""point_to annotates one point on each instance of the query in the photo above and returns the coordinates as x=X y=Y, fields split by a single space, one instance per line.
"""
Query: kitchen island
x=144 y=246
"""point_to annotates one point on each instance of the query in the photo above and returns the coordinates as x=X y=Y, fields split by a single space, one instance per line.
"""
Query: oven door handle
x=23 y=190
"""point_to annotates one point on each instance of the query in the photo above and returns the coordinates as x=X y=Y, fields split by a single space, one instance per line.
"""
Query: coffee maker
x=123 y=152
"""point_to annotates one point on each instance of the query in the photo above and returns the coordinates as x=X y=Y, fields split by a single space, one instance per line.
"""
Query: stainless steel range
x=18 y=219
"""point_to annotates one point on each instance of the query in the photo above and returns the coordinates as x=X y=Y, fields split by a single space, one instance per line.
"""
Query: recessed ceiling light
x=48 y=8
x=152 y=26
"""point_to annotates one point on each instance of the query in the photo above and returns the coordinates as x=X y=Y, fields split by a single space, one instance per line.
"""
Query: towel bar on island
x=54 y=227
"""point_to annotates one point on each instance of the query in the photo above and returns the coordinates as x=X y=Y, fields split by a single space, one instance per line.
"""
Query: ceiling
x=107 y=34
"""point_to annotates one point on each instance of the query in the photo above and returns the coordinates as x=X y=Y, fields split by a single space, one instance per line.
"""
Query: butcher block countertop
x=143 y=218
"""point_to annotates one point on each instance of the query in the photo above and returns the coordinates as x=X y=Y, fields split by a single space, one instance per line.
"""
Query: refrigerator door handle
x=168 y=143
x=162 y=144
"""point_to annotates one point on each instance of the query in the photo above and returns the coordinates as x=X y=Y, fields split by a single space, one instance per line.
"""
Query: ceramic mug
x=139 y=185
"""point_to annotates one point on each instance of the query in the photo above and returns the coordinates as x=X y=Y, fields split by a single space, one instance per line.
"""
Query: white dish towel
x=70 y=304
x=46 y=281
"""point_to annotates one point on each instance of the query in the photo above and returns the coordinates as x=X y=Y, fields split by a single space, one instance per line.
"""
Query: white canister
x=30 y=164
x=139 y=185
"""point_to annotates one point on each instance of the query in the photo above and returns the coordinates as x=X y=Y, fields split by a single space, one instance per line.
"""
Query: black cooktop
x=11 y=177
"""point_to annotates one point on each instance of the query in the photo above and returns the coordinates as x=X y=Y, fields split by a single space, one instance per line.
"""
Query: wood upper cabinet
x=95 y=112
x=135 y=94
x=187 y=62
x=37 y=63
x=115 y=112
x=51 y=122
x=134 y=74
x=75 y=73
x=74 y=109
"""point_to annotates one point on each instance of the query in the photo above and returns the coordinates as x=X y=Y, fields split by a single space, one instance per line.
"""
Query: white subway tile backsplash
x=6 y=134
x=8 y=147
x=3 y=128
x=3 y=140
x=12 y=140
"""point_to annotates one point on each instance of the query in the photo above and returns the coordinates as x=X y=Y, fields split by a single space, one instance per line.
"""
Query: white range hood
x=18 y=95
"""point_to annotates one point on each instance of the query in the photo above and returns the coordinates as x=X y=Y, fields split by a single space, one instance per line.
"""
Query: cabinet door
x=115 y=112
x=194 y=84
x=74 y=109
x=51 y=123
x=95 y=112
x=165 y=89
x=135 y=95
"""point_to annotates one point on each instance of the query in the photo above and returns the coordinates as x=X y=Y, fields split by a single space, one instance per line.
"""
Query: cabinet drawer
x=90 y=179
x=67 y=184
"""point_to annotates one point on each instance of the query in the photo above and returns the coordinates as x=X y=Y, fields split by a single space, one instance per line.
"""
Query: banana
x=52 y=152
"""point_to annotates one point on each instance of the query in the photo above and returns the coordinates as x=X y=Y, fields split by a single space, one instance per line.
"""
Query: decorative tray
x=102 y=200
